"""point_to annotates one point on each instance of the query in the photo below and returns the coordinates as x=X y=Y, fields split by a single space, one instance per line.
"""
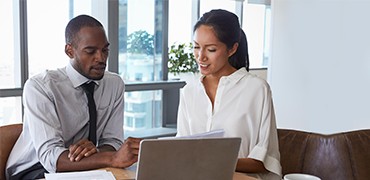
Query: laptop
x=188 y=159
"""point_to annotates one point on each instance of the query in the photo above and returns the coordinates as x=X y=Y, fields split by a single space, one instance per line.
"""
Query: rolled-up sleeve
x=267 y=148
x=43 y=125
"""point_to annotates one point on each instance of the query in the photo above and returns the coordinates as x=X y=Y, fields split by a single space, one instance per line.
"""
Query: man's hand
x=83 y=148
x=127 y=154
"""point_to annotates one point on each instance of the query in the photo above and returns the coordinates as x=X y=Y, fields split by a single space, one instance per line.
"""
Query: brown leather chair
x=8 y=136
x=331 y=157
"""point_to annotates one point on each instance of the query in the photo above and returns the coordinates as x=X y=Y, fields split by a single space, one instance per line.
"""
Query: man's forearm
x=95 y=161
x=124 y=157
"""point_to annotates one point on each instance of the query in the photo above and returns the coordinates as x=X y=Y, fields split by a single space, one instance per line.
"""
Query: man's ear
x=233 y=49
x=68 y=49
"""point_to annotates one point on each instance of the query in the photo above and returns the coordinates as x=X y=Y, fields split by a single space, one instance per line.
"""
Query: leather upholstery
x=8 y=136
x=331 y=157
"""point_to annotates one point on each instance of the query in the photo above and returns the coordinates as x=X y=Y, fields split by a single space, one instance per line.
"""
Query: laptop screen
x=195 y=159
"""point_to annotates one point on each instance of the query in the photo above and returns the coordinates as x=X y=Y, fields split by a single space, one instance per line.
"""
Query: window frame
x=170 y=88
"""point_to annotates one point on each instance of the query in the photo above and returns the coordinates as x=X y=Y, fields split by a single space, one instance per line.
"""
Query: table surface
x=124 y=174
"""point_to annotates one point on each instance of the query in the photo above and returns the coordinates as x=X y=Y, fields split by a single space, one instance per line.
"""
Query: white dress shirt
x=56 y=115
x=243 y=107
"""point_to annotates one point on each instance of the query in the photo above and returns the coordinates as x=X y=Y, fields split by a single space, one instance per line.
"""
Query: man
x=57 y=112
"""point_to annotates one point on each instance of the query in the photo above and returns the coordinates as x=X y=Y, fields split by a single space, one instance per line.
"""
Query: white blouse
x=243 y=107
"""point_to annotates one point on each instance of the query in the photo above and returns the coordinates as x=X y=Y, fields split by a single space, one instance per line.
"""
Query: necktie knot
x=89 y=87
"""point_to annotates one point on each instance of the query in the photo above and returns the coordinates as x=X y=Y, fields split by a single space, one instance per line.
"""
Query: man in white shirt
x=56 y=115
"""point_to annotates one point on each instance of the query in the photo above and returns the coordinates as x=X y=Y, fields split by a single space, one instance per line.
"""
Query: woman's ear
x=233 y=49
x=68 y=49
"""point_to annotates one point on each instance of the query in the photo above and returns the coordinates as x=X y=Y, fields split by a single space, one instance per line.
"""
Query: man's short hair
x=75 y=25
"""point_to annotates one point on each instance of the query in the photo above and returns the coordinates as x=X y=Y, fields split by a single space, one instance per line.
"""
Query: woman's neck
x=211 y=81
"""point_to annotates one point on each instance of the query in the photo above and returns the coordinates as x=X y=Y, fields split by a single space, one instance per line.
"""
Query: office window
x=140 y=40
x=10 y=46
x=10 y=64
x=180 y=25
x=37 y=43
x=10 y=110
x=140 y=60
x=256 y=24
x=142 y=110
x=254 y=17
x=207 y=5
x=46 y=31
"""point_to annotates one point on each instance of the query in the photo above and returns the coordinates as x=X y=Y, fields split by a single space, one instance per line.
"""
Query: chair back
x=8 y=136
x=339 y=156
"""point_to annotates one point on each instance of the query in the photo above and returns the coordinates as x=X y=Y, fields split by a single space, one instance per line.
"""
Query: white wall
x=320 y=64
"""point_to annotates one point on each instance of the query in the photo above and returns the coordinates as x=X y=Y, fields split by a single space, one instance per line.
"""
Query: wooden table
x=124 y=174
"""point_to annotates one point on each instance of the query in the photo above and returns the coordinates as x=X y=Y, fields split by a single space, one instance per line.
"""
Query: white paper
x=81 y=175
x=211 y=134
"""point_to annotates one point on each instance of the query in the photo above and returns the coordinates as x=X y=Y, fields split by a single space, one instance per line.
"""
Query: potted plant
x=181 y=59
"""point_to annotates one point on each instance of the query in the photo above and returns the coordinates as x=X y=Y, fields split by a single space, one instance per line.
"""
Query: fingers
x=133 y=142
x=133 y=145
x=81 y=149
x=90 y=152
x=128 y=153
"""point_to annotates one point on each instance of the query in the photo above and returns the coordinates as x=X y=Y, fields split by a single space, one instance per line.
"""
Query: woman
x=228 y=97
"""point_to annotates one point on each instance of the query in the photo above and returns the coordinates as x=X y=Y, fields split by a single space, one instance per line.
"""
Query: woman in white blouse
x=228 y=97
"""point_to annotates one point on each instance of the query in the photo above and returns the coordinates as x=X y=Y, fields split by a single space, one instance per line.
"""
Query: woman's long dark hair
x=227 y=28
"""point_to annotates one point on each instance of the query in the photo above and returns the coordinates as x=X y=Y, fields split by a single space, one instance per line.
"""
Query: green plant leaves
x=181 y=59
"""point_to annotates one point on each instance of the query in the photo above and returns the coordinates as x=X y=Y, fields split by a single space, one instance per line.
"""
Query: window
x=140 y=32
x=140 y=40
x=10 y=64
x=150 y=100
x=207 y=5
x=256 y=24
x=141 y=60
x=10 y=110
x=46 y=35
x=9 y=35
x=180 y=25
x=143 y=110
x=46 y=32
x=254 y=16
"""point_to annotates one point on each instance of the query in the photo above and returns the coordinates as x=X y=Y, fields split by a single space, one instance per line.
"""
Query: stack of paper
x=81 y=175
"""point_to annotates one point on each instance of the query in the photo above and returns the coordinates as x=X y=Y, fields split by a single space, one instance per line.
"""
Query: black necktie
x=89 y=90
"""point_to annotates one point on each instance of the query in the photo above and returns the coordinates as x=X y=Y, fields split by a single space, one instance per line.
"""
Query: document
x=210 y=134
x=81 y=175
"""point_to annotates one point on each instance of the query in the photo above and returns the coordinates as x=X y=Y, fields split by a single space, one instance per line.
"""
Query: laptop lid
x=187 y=159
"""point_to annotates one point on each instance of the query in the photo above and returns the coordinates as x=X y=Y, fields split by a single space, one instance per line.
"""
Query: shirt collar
x=76 y=78
x=234 y=77
x=237 y=75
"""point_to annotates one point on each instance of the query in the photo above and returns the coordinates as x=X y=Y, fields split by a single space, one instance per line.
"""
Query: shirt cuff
x=271 y=164
x=50 y=162
x=115 y=143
